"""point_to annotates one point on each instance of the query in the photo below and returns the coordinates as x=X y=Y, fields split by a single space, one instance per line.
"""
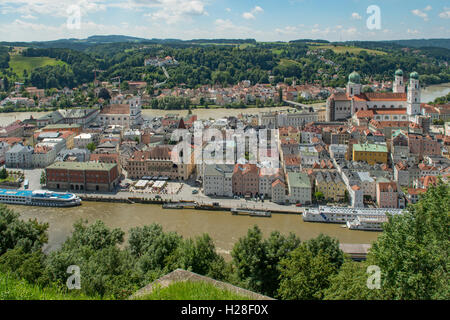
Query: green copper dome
x=399 y=73
x=354 y=77
x=414 y=75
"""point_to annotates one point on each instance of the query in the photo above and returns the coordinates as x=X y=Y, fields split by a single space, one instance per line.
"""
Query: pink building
x=387 y=195
x=245 y=179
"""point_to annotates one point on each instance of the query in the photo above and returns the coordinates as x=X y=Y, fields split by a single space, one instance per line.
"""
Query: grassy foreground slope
x=189 y=290
x=12 y=288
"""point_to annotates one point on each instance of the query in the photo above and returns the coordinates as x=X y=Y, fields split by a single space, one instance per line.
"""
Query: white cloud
x=28 y=16
x=252 y=13
x=288 y=30
x=228 y=10
x=412 y=31
x=50 y=7
x=173 y=11
x=428 y=8
x=445 y=14
x=248 y=15
x=356 y=16
x=420 y=14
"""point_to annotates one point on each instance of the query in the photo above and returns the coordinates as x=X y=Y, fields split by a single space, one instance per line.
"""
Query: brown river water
x=223 y=227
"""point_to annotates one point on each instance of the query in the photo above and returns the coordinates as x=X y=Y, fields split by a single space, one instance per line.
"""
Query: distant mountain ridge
x=103 y=39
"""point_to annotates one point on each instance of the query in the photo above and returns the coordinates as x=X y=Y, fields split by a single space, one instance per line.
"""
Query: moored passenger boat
x=42 y=198
x=344 y=215
x=374 y=223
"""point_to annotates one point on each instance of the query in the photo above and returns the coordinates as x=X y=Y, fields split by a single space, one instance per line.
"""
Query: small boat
x=250 y=212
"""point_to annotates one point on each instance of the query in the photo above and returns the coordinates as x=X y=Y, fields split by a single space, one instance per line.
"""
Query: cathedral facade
x=341 y=106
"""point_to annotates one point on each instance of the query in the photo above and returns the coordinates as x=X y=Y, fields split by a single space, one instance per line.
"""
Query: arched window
x=375 y=106
x=392 y=106
x=383 y=106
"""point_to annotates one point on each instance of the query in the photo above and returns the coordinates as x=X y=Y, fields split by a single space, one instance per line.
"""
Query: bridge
x=296 y=104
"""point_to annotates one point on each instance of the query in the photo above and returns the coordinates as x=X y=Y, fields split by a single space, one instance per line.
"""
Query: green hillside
x=344 y=49
x=19 y=63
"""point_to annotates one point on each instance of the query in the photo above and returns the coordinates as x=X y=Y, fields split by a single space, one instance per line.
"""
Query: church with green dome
x=402 y=104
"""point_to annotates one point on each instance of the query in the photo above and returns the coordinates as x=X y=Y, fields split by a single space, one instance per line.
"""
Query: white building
x=44 y=154
x=267 y=176
x=82 y=140
x=217 y=180
x=299 y=187
x=308 y=155
x=125 y=115
x=19 y=156
x=338 y=151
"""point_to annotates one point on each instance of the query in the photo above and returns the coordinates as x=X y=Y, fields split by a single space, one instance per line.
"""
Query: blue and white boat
x=41 y=198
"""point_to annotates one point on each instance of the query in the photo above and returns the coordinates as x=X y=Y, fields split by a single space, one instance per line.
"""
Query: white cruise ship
x=344 y=215
x=41 y=198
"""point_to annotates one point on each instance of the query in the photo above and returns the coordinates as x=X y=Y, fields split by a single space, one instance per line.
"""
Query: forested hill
x=418 y=43
x=219 y=61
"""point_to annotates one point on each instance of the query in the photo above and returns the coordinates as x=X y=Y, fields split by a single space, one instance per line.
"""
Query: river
x=223 y=227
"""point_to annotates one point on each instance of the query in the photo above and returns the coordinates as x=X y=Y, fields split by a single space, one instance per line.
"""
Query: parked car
x=195 y=191
x=298 y=205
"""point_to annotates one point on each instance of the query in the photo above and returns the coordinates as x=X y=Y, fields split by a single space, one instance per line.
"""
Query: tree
x=152 y=246
x=3 y=173
x=27 y=265
x=328 y=246
x=256 y=260
x=412 y=251
x=43 y=180
x=319 y=196
x=107 y=270
x=304 y=276
x=277 y=248
x=351 y=283
x=124 y=86
x=248 y=258
x=91 y=146
x=30 y=235
x=196 y=255
x=104 y=94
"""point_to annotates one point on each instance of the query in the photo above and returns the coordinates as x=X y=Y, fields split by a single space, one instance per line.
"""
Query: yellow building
x=331 y=185
x=370 y=153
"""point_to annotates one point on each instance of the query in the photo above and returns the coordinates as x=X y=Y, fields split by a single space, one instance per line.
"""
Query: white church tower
x=413 y=100
x=354 y=84
x=135 y=111
x=399 y=85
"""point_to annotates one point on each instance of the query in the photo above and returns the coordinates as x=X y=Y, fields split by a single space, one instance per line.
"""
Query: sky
x=263 y=20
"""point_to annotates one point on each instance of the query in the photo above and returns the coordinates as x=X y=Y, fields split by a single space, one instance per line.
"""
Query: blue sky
x=263 y=20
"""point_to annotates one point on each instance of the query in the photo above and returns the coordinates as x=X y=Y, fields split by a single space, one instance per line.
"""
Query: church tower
x=399 y=85
x=135 y=111
x=354 y=84
x=413 y=100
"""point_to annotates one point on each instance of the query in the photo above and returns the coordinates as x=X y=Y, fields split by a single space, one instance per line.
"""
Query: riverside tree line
x=412 y=254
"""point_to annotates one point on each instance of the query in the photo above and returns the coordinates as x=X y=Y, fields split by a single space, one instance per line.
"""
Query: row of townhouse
x=224 y=180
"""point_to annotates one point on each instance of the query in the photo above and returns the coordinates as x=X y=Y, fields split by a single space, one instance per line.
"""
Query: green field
x=19 y=63
x=344 y=49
